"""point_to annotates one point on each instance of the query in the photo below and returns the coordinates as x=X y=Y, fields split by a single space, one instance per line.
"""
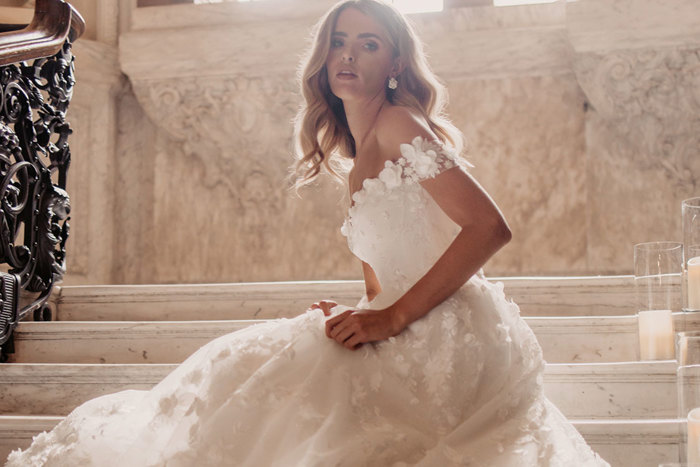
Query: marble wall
x=582 y=120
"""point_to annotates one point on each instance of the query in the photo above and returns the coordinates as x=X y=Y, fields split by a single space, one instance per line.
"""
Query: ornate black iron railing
x=34 y=160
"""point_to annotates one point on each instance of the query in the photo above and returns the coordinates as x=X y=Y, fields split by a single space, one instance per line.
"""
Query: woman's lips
x=346 y=75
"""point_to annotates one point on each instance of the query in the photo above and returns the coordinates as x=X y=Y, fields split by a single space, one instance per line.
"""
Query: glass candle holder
x=657 y=282
x=688 y=383
x=691 y=261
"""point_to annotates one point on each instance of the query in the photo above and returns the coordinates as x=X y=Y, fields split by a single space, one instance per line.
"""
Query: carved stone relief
x=222 y=194
x=225 y=122
x=643 y=139
x=587 y=148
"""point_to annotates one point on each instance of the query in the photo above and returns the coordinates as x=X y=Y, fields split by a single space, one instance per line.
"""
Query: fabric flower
x=359 y=196
x=372 y=185
x=390 y=175
x=426 y=158
x=424 y=163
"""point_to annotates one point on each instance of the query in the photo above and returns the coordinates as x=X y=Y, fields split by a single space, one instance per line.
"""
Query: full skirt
x=460 y=387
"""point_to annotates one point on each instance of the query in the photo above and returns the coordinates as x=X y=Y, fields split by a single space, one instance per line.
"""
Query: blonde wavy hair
x=321 y=129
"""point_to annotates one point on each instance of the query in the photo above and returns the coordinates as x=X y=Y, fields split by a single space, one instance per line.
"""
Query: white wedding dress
x=460 y=387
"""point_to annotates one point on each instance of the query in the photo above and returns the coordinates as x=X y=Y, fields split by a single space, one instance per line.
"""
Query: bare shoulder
x=397 y=125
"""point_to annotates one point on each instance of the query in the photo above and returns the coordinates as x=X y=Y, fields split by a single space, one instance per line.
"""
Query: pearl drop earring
x=393 y=84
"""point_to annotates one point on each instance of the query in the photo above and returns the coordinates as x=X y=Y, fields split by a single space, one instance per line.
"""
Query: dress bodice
x=394 y=224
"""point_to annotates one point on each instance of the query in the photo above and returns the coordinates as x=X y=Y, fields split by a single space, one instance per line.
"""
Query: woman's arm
x=372 y=287
x=484 y=231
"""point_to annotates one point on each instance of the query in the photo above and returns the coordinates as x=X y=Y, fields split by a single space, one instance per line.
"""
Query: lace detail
x=425 y=159
x=418 y=161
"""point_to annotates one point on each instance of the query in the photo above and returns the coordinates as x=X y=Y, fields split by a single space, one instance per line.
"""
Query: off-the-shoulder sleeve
x=426 y=159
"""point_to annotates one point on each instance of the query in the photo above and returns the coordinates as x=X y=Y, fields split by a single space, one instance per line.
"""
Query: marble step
x=633 y=390
x=633 y=443
x=536 y=296
x=17 y=431
x=623 y=443
x=563 y=339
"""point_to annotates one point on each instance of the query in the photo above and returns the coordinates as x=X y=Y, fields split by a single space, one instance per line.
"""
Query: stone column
x=93 y=116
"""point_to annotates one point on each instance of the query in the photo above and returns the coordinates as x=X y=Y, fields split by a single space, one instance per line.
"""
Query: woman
x=433 y=367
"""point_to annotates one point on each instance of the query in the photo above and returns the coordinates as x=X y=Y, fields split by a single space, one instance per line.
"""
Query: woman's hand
x=324 y=305
x=353 y=328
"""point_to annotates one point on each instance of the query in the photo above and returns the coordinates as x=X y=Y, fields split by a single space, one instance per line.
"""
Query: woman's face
x=360 y=58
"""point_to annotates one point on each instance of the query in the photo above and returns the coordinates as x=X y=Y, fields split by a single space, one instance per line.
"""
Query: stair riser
x=636 y=454
x=580 y=391
x=207 y=310
x=609 y=399
x=159 y=343
x=619 y=455
x=176 y=347
x=647 y=449
x=563 y=340
x=574 y=296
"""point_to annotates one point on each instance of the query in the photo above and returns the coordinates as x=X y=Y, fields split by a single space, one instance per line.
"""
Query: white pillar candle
x=693 y=441
x=656 y=339
x=694 y=283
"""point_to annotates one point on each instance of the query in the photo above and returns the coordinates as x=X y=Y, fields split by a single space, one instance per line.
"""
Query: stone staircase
x=109 y=338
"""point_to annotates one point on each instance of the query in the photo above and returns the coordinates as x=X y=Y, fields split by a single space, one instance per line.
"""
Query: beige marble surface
x=581 y=119
x=529 y=151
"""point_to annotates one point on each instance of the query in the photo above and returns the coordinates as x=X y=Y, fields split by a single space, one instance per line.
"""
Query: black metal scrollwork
x=34 y=206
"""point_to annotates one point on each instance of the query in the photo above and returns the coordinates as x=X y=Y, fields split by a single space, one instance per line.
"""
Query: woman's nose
x=347 y=57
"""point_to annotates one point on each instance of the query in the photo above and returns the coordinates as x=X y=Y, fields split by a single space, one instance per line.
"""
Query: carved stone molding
x=231 y=124
x=651 y=99
x=632 y=83
x=579 y=113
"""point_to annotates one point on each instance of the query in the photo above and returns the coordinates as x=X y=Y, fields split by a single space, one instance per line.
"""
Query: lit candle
x=656 y=340
x=693 y=436
x=694 y=283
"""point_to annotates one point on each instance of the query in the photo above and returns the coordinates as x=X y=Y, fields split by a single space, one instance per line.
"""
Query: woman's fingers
x=353 y=328
x=353 y=343
x=331 y=323
x=340 y=327
x=324 y=305
x=343 y=334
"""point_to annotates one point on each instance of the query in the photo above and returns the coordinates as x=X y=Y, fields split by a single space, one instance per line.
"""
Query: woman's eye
x=336 y=43
x=371 y=46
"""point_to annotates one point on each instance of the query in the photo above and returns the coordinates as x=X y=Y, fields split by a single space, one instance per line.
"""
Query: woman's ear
x=398 y=67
